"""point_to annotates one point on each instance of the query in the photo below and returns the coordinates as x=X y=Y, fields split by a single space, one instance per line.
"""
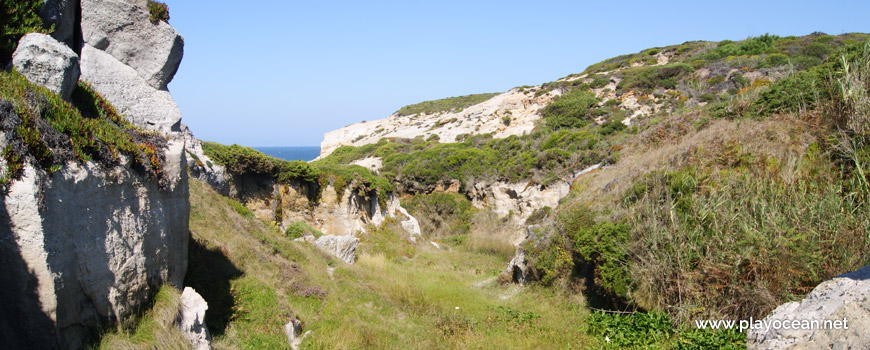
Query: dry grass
x=156 y=329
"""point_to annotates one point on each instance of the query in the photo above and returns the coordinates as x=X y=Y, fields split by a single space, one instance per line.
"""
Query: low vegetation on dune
x=452 y=104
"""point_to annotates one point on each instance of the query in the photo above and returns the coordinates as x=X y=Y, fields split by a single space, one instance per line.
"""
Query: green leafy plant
x=157 y=11
x=17 y=18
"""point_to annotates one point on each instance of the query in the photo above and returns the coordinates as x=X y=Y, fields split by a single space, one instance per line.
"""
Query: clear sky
x=282 y=73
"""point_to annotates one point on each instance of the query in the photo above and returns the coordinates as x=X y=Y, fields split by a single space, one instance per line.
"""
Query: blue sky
x=282 y=73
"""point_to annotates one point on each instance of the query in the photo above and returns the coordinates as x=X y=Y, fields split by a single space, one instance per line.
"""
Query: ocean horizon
x=304 y=153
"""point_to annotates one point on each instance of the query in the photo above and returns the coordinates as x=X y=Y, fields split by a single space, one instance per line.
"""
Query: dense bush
x=17 y=17
x=752 y=46
x=655 y=330
x=157 y=11
x=441 y=214
x=53 y=131
x=240 y=160
x=570 y=110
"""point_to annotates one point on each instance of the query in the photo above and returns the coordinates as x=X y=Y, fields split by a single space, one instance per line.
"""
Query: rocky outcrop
x=191 y=319
x=139 y=102
x=62 y=15
x=122 y=29
x=844 y=299
x=202 y=167
x=98 y=242
x=47 y=62
x=519 y=105
x=342 y=247
x=518 y=268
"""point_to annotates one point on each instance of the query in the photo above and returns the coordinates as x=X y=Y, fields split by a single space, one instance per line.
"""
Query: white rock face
x=343 y=247
x=62 y=14
x=844 y=297
x=192 y=319
x=139 y=102
x=47 y=62
x=122 y=29
x=98 y=243
x=201 y=166
x=486 y=117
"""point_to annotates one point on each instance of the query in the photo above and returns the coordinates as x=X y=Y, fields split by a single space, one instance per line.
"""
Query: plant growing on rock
x=157 y=11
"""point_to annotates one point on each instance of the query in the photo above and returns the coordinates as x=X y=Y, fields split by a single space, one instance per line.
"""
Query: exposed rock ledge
x=846 y=296
x=86 y=246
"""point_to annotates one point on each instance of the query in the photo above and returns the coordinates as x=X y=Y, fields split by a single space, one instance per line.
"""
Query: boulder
x=846 y=296
x=61 y=14
x=138 y=101
x=343 y=247
x=47 y=62
x=191 y=319
x=122 y=29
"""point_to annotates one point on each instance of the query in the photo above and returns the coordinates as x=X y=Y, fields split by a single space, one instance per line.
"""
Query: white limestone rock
x=99 y=242
x=139 y=102
x=122 y=29
x=342 y=247
x=191 y=319
x=846 y=296
x=47 y=62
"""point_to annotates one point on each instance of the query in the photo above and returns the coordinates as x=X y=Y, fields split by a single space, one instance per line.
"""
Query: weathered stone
x=47 y=62
x=139 y=102
x=845 y=297
x=191 y=319
x=201 y=166
x=518 y=268
x=342 y=247
x=61 y=14
x=99 y=242
x=122 y=29
x=293 y=330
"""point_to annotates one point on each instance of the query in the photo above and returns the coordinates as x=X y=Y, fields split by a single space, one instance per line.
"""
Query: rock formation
x=845 y=299
x=191 y=319
x=47 y=62
x=519 y=105
x=87 y=246
x=342 y=247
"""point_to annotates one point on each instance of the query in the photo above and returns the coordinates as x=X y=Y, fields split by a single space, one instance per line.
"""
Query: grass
x=155 y=329
x=397 y=295
x=450 y=104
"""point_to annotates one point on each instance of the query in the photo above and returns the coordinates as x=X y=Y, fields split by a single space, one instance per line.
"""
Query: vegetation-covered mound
x=42 y=128
x=451 y=104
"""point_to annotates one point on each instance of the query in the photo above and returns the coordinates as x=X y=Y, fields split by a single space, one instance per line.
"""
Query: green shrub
x=299 y=229
x=451 y=104
x=100 y=134
x=570 y=110
x=752 y=46
x=777 y=59
x=18 y=18
x=240 y=160
x=655 y=330
x=646 y=78
x=157 y=11
x=611 y=127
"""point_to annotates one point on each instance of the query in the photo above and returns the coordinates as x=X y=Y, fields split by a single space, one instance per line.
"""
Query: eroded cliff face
x=87 y=245
x=97 y=242
x=342 y=215
x=519 y=105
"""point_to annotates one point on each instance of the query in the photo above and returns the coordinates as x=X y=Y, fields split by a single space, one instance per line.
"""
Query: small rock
x=192 y=319
x=47 y=62
x=293 y=330
x=343 y=247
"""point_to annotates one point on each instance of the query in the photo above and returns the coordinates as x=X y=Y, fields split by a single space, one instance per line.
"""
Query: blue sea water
x=306 y=153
